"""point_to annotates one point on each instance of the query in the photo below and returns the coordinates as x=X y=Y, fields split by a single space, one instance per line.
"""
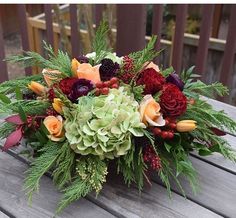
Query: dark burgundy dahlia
x=108 y=69
x=80 y=88
x=83 y=59
x=152 y=80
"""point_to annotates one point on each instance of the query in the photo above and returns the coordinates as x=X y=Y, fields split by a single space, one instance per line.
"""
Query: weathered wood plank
x=3 y=215
x=13 y=198
x=116 y=197
x=217 y=188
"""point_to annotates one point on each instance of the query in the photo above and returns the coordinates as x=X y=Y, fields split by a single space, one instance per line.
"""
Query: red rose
x=172 y=101
x=152 y=80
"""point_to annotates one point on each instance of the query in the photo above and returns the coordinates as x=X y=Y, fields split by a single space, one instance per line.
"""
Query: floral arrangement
x=78 y=116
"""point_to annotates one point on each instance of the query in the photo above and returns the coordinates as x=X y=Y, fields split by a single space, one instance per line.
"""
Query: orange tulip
x=86 y=71
x=49 y=78
x=54 y=126
x=150 y=112
x=186 y=125
x=36 y=88
x=74 y=66
x=57 y=105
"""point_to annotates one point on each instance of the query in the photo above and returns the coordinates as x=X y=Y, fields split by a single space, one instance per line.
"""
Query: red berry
x=113 y=80
x=172 y=125
x=99 y=84
x=115 y=86
x=97 y=91
x=156 y=131
x=164 y=134
x=104 y=91
x=170 y=135
x=106 y=84
x=167 y=122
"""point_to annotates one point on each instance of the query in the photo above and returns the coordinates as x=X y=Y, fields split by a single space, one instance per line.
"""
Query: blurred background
x=189 y=34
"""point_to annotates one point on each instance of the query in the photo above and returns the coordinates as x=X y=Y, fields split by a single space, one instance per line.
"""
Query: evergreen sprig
x=6 y=129
x=100 y=46
x=39 y=167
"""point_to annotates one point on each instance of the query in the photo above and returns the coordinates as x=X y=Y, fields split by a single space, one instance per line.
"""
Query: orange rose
x=152 y=65
x=86 y=71
x=150 y=112
x=54 y=126
x=36 y=88
x=49 y=78
x=74 y=66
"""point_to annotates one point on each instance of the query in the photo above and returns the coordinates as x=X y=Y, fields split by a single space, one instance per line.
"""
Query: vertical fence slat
x=99 y=8
x=131 y=28
x=74 y=31
x=157 y=24
x=216 y=20
x=49 y=28
x=181 y=13
x=3 y=65
x=230 y=47
x=205 y=32
x=24 y=31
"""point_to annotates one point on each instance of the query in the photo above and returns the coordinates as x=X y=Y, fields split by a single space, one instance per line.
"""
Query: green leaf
x=4 y=99
x=22 y=114
x=167 y=71
x=167 y=146
x=19 y=95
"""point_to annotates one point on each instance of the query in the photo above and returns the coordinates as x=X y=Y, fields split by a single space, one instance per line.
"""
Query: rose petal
x=158 y=122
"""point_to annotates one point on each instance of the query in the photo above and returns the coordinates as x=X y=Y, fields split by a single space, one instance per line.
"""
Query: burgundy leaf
x=13 y=139
x=217 y=131
x=14 y=119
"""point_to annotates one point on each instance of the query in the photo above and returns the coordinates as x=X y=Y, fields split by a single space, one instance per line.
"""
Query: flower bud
x=36 y=88
x=74 y=66
x=186 y=125
x=57 y=105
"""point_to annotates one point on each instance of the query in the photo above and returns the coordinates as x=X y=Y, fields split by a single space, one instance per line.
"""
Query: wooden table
x=217 y=196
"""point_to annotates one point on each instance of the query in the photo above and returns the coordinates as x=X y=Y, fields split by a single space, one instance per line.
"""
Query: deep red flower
x=172 y=101
x=66 y=84
x=152 y=80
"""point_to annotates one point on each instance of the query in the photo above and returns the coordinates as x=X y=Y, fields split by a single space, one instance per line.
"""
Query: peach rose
x=50 y=79
x=149 y=111
x=37 y=88
x=54 y=126
x=86 y=71
x=152 y=65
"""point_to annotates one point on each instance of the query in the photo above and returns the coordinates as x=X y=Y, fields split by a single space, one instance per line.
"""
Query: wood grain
x=115 y=197
x=14 y=201
x=217 y=188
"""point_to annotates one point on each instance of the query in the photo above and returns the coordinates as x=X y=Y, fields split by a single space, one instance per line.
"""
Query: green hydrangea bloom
x=103 y=125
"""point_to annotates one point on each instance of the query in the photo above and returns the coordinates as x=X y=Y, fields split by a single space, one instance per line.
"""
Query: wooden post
x=75 y=39
x=230 y=47
x=181 y=13
x=131 y=28
x=24 y=31
x=99 y=8
x=3 y=65
x=205 y=31
x=216 y=20
x=49 y=28
x=157 y=25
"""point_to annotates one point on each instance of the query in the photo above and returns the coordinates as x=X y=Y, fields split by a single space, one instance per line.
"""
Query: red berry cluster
x=128 y=64
x=102 y=88
x=150 y=156
x=167 y=132
x=51 y=112
x=33 y=122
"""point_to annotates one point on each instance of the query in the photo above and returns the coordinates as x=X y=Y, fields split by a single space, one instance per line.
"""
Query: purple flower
x=83 y=59
x=108 y=69
x=175 y=79
x=80 y=88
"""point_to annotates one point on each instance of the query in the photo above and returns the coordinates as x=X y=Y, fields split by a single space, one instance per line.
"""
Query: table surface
x=216 y=198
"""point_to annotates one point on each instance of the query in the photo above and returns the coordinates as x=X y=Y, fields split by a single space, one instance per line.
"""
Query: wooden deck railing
x=131 y=29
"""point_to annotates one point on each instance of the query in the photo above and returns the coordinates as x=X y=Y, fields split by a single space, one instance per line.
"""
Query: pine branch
x=6 y=129
x=39 y=167
x=64 y=166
